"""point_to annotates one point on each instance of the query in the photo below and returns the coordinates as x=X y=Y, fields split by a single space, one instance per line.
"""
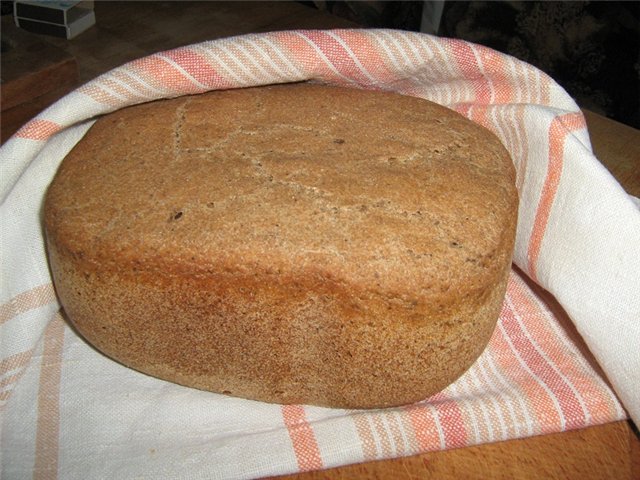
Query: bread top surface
x=373 y=189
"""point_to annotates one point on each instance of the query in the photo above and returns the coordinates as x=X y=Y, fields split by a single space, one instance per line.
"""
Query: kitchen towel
x=66 y=411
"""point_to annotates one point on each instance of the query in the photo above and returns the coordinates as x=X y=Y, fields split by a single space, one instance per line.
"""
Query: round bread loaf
x=294 y=244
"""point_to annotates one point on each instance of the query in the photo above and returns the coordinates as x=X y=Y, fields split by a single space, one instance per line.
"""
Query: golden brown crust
x=297 y=243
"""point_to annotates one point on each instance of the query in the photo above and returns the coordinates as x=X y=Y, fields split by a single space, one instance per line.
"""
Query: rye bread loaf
x=291 y=244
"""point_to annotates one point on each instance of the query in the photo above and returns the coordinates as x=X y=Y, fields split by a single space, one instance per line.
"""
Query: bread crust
x=291 y=244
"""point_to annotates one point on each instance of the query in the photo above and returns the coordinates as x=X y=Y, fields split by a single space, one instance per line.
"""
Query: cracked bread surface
x=294 y=243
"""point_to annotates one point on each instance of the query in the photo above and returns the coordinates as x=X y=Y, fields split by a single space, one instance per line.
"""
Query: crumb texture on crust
x=341 y=238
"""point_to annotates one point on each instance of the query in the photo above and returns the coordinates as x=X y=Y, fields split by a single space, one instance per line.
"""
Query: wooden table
x=129 y=30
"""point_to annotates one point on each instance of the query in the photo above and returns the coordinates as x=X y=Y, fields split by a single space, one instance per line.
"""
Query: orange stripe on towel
x=539 y=359
x=485 y=71
x=368 y=441
x=48 y=422
x=342 y=57
x=426 y=427
x=197 y=67
x=453 y=424
x=38 y=129
x=592 y=392
x=302 y=437
x=25 y=301
x=11 y=369
x=15 y=362
x=559 y=129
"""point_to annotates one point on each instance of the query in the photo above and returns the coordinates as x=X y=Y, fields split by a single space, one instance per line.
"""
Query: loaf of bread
x=297 y=243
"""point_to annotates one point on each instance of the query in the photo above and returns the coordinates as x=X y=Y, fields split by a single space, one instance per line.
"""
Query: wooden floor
x=129 y=30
